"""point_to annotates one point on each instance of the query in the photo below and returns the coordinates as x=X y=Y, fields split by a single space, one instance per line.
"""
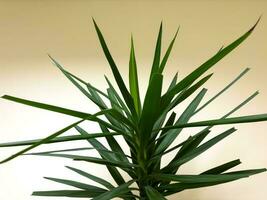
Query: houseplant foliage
x=148 y=128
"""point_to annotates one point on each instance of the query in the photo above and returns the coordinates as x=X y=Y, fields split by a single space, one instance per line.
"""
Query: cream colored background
x=31 y=29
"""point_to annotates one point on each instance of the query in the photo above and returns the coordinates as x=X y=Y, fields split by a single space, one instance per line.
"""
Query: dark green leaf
x=156 y=60
x=59 y=139
x=66 y=193
x=115 y=192
x=92 y=177
x=83 y=186
x=197 y=151
x=166 y=56
x=43 y=141
x=133 y=80
x=153 y=194
x=223 y=90
x=125 y=93
x=222 y=168
x=188 y=80
x=233 y=120
x=150 y=109
x=170 y=135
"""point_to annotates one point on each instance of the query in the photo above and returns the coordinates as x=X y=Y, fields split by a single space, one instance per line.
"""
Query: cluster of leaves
x=148 y=129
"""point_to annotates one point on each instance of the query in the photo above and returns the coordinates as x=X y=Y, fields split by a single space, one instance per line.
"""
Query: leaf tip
x=254 y=26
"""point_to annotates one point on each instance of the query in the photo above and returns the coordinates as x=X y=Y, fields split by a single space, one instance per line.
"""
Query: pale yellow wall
x=31 y=29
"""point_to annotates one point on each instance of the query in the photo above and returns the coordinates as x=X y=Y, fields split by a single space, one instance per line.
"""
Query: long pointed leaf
x=92 y=177
x=50 y=137
x=167 y=54
x=115 y=192
x=125 y=93
x=133 y=80
x=153 y=194
x=188 y=80
x=156 y=60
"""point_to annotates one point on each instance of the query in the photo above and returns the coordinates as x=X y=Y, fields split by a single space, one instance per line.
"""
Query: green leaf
x=73 y=80
x=229 y=113
x=170 y=135
x=150 y=111
x=156 y=60
x=133 y=80
x=92 y=177
x=115 y=147
x=93 y=160
x=178 y=187
x=197 y=151
x=162 y=118
x=223 y=90
x=203 y=178
x=167 y=54
x=96 y=144
x=183 y=95
x=188 y=80
x=59 y=139
x=63 y=110
x=169 y=122
x=50 y=137
x=153 y=194
x=222 y=168
x=125 y=93
x=114 y=92
x=233 y=120
x=115 y=192
x=249 y=172
x=191 y=144
x=66 y=193
x=83 y=186
x=113 y=99
x=59 y=151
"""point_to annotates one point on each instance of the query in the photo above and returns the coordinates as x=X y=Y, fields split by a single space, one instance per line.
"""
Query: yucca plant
x=148 y=128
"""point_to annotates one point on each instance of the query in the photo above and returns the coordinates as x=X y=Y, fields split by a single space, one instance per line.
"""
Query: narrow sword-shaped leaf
x=115 y=147
x=41 y=141
x=90 y=87
x=162 y=118
x=60 y=151
x=125 y=93
x=227 y=114
x=169 y=136
x=112 y=170
x=186 y=93
x=92 y=159
x=95 y=100
x=203 y=178
x=92 y=177
x=153 y=194
x=133 y=80
x=67 y=193
x=76 y=184
x=188 y=80
x=233 y=120
x=156 y=60
x=112 y=89
x=115 y=192
x=223 y=90
x=59 y=139
x=61 y=110
x=222 y=168
x=178 y=187
x=150 y=108
x=77 y=149
x=195 y=152
x=167 y=54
